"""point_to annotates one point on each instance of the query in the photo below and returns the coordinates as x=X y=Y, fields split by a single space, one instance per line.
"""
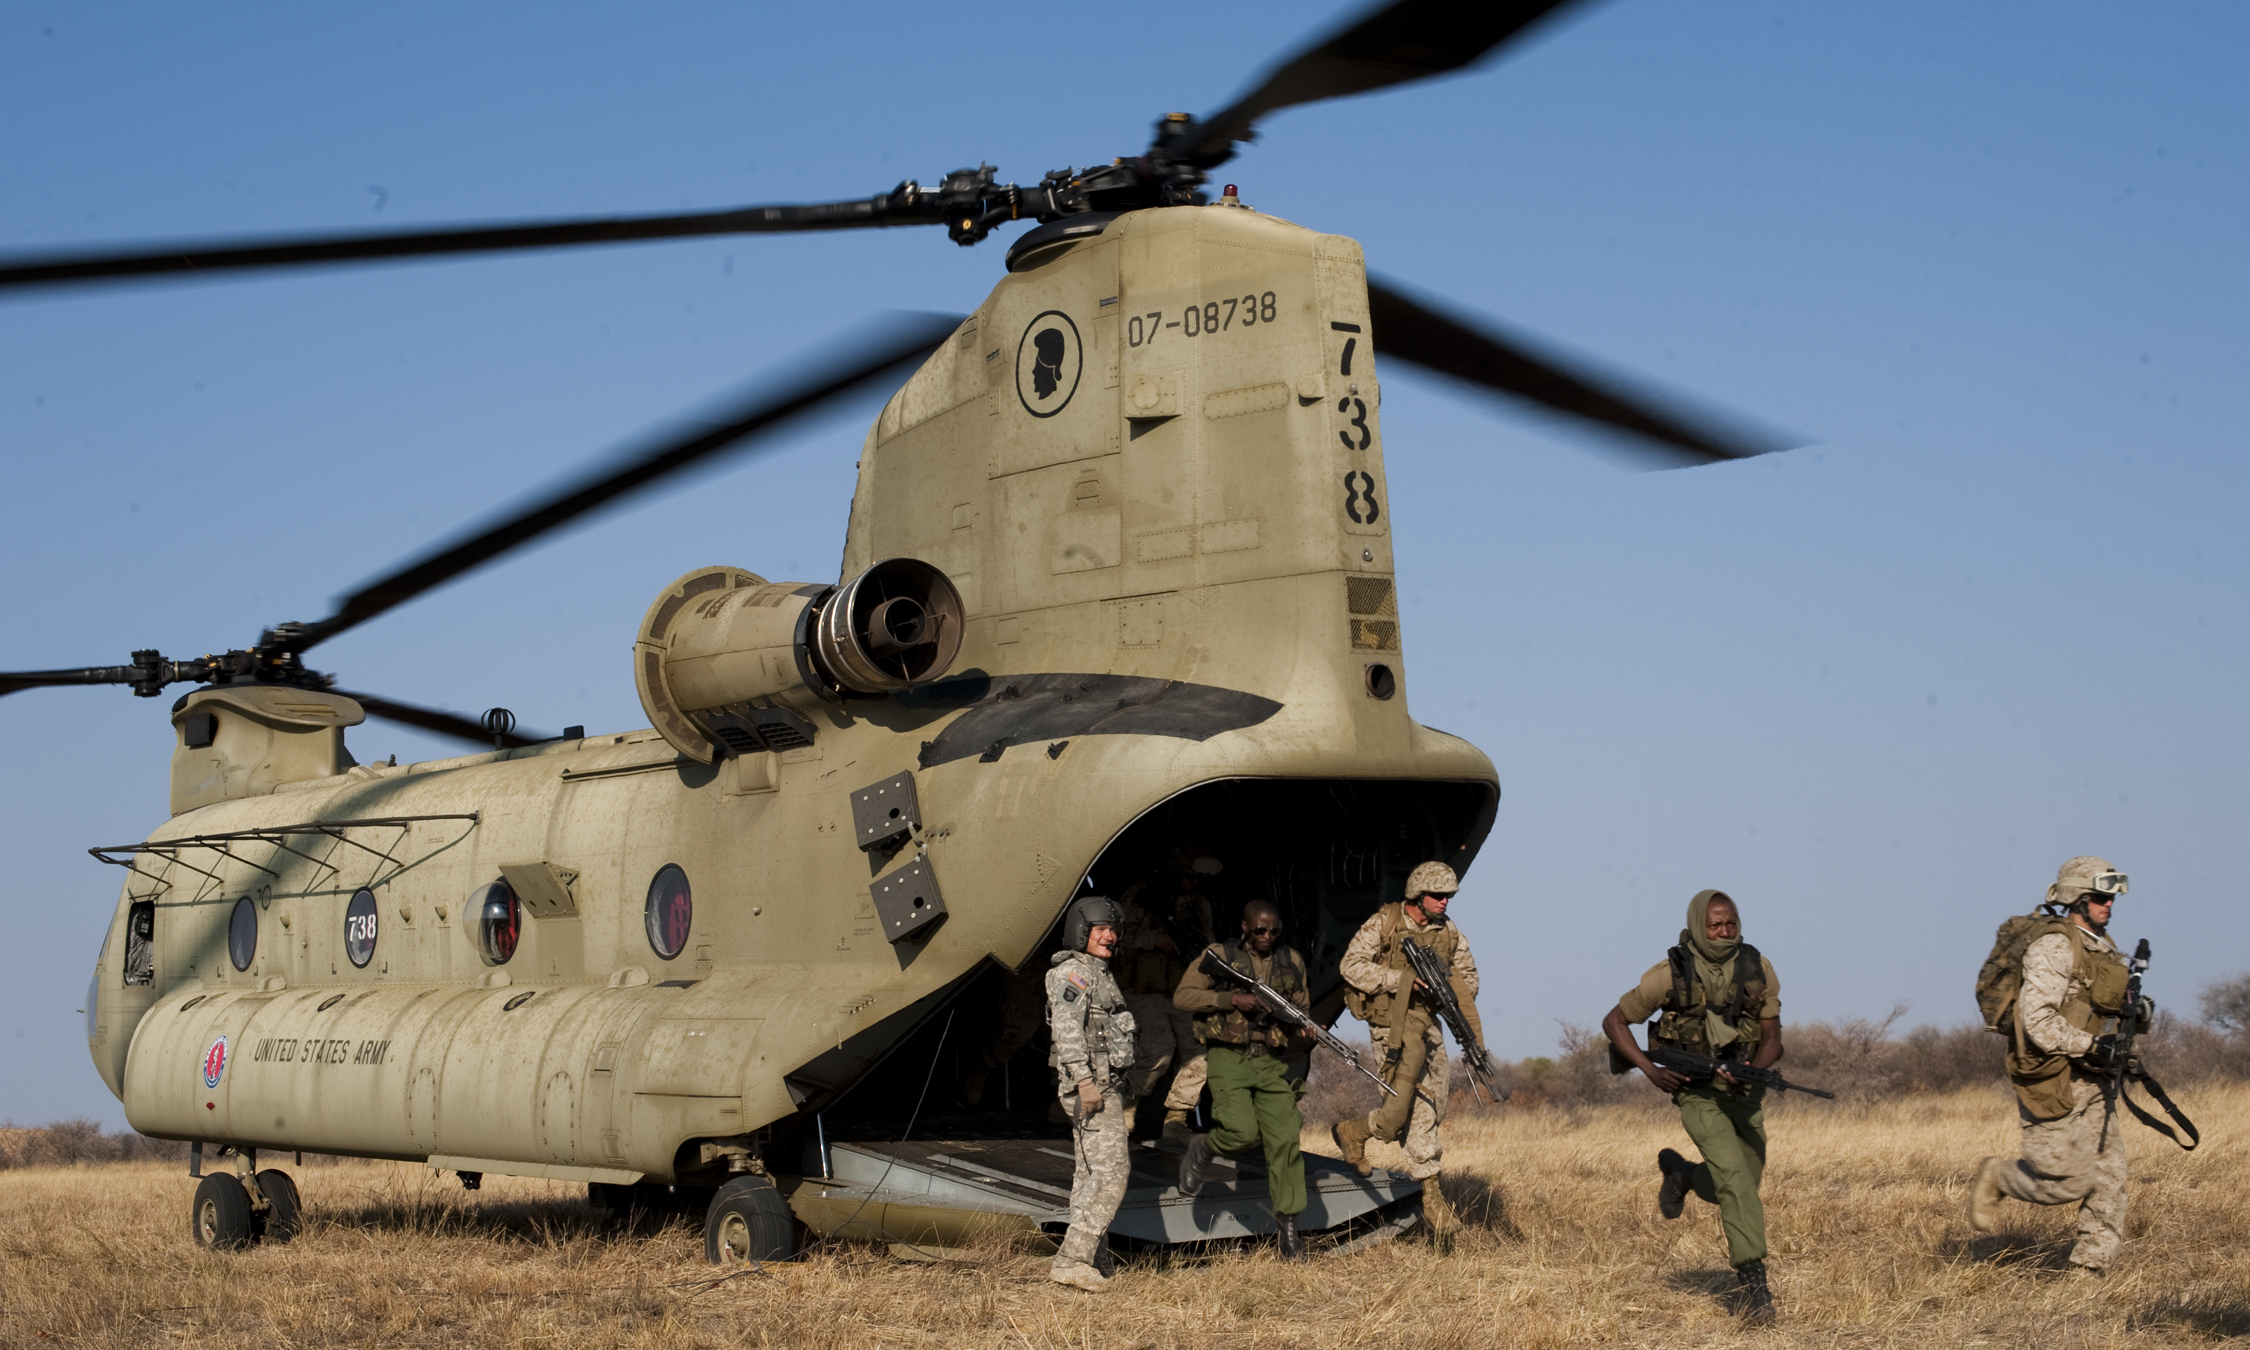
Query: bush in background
x=70 y=1143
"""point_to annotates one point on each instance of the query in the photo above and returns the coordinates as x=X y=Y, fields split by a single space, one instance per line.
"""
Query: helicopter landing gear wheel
x=220 y=1218
x=285 y=1213
x=748 y=1222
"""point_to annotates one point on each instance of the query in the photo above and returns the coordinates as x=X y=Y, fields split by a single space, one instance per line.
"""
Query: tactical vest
x=1681 y=1025
x=1378 y=1010
x=1109 y=1041
x=1234 y=1027
x=2097 y=993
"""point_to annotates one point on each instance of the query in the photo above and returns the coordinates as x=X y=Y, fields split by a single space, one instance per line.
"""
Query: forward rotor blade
x=913 y=337
x=1403 y=41
x=880 y=210
x=15 y=681
x=1409 y=330
x=443 y=723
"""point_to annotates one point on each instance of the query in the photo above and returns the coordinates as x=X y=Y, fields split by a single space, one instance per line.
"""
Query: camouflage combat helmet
x=1085 y=913
x=2083 y=874
x=1432 y=878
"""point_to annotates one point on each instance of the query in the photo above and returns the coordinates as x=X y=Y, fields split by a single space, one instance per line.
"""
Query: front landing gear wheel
x=220 y=1218
x=285 y=1213
x=748 y=1222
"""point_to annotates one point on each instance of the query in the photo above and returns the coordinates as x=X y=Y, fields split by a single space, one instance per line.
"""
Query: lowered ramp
x=947 y=1193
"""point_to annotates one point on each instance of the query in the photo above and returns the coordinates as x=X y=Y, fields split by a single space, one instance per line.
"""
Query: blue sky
x=1986 y=259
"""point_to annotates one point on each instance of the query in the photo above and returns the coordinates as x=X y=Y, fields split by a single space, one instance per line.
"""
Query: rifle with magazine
x=2115 y=1059
x=1437 y=984
x=1703 y=1066
x=1280 y=1005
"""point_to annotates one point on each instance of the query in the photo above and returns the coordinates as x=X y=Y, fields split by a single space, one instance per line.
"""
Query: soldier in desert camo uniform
x=1404 y=1026
x=2058 y=1057
x=1092 y=1056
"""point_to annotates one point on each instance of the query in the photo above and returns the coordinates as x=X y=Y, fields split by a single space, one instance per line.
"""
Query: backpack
x=2000 y=979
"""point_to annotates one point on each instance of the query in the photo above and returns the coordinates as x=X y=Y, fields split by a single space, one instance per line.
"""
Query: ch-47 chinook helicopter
x=1118 y=574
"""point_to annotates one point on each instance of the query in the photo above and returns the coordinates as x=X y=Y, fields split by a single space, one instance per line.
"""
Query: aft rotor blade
x=1403 y=41
x=1411 y=330
x=880 y=210
x=443 y=723
x=909 y=338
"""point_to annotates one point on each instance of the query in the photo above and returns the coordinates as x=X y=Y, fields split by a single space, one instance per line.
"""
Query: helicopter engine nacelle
x=729 y=663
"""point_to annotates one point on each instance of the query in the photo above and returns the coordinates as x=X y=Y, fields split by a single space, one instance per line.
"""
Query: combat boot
x=1757 y=1296
x=1671 y=1196
x=1438 y=1213
x=1984 y=1196
x=1195 y=1168
x=1292 y=1246
x=1174 y=1138
x=1351 y=1136
x=1078 y=1275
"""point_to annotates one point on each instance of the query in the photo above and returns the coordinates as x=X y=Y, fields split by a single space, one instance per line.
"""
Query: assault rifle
x=1703 y=1066
x=2128 y=1027
x=2123 y=1067
x=1437 y=984
x=1280 y=1005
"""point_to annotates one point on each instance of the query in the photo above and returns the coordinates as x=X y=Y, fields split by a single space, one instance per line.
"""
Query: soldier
x=1384 y=994
x=1719 y=997
x=1257 y=1066
x=2072 y=979
x=1159 y=914
x=1092 y=1056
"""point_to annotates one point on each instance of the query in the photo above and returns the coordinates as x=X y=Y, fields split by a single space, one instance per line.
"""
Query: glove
x=2147 y=1018
x=2102 y=1054
x=1089 y=1097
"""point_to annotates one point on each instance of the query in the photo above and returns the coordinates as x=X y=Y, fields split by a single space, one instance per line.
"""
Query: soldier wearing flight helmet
x=1092 y=1057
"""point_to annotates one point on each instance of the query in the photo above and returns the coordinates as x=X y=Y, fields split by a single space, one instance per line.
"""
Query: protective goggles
x=2108 y=883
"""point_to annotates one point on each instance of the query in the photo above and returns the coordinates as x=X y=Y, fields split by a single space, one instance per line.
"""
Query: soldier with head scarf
x=2073 y=984
x=1714 y=995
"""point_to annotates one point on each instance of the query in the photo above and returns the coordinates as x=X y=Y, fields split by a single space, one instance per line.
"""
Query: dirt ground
x=1565 y=1248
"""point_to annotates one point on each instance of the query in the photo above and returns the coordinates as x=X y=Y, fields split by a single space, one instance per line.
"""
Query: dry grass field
x=1870 y=1248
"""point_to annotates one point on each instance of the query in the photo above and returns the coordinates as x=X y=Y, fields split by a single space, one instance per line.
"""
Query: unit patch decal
x=215 y=1063
x=1048 y=362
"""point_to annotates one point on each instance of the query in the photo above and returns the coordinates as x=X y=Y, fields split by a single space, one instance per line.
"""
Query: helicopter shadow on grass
x=417 y=1211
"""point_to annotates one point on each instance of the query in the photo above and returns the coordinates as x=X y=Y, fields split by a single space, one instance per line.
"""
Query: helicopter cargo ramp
x=928 y=1196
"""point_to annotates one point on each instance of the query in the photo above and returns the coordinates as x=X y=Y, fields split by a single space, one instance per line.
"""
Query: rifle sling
x=2156 y=1090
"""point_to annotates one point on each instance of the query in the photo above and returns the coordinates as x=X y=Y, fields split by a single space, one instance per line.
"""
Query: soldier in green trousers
x=1717 y=996
x=1257 y=1066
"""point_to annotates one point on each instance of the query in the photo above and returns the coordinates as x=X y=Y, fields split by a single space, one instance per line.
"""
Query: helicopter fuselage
x=1151 y=464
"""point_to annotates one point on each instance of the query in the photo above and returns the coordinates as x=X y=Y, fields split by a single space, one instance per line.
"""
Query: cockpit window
x=140 y=942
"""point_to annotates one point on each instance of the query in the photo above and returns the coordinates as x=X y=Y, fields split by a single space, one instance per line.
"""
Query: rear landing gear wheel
x=748 y=1222
x=285 y=1213
x=220 y=1218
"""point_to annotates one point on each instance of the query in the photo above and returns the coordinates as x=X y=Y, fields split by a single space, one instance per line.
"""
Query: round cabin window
x=670 y=912
x=495 y=921
x=359 y=927
x=242 y=934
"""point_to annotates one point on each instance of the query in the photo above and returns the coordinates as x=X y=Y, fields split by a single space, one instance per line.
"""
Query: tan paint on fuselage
x=1183 y=517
